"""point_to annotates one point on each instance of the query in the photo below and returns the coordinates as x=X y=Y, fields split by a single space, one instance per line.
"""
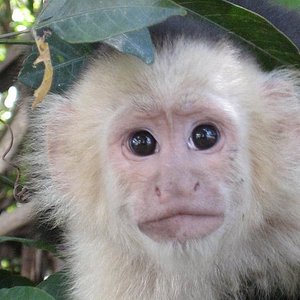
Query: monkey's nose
x=179 y=190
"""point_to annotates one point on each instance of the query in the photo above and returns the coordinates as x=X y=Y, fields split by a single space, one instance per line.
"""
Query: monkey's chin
x=181 y=227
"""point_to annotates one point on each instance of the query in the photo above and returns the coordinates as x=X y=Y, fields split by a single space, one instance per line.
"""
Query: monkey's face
x=178 y=167
x=177 y=151
x=181 y=202
x=172 y=144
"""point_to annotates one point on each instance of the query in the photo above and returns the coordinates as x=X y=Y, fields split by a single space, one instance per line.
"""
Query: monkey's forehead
x=183 y=71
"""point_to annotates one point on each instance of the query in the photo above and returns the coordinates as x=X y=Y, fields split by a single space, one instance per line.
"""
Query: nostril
x=196 y=187
x=157 y=191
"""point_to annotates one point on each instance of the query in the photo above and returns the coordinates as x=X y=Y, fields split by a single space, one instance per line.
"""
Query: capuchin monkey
x=178 y=180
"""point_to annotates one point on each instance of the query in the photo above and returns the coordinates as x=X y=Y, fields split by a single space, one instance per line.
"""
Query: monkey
x=175 y=180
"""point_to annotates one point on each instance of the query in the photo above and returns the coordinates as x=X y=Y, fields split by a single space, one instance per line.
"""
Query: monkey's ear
x=59 y=139
x=282 y=93
x=283 y=85
x=70 y=146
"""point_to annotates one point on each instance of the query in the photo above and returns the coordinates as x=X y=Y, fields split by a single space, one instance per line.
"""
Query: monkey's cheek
x=181 y=228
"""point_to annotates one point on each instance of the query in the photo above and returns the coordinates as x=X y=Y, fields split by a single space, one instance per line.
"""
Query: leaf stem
x=13 y=34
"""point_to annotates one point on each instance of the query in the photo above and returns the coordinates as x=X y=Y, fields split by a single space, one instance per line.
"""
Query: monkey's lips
x=182 y=226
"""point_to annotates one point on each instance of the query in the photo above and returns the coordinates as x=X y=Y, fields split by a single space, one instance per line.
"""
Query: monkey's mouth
x=182 y=227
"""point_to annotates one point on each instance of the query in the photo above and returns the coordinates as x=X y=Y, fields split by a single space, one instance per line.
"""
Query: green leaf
x=271 y=46
x=67 y=61
x=14 y=280
x=56 y=285
x=290 y=3
x=92 y=20
x=137 y=43
x=4 y=274
x=29 y=243
x=24 y=293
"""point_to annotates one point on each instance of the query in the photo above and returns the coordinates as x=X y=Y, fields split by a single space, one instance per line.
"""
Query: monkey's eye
x=204 y=136
x=142 y=143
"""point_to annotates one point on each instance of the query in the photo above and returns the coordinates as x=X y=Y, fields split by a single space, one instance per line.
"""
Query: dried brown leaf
x=44 y=57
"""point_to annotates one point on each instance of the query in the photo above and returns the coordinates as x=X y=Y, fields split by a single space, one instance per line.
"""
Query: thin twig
x=13 y=34
x=21 y=193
